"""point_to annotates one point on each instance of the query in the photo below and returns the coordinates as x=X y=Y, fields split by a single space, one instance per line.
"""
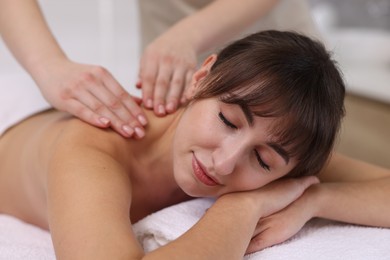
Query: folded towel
x=319 y=239
x=168 y=224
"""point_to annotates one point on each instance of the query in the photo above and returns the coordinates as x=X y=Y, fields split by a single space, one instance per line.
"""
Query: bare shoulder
x=89 y=194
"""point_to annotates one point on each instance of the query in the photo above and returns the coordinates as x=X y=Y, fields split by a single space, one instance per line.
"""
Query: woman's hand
x=166 y=70
x=92 y=94
x=282 y=225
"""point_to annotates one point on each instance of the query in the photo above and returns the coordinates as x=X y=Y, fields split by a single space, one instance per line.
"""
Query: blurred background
x=358 y=32
x=105 y=32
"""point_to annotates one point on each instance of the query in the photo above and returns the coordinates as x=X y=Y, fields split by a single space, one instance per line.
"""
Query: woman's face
x=221 y=148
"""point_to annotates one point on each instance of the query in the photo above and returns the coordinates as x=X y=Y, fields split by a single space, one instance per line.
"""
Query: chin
x=190 y=187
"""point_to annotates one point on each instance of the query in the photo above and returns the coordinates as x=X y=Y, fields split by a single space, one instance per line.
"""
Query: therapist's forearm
x=220 y=21
x=24 y=30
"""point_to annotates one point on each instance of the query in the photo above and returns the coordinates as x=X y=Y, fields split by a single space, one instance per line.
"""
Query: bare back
x=26 y=150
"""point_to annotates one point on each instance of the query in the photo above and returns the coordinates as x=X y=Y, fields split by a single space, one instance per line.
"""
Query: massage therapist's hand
x=92 y=94
x=284 y=224
x=166 y=69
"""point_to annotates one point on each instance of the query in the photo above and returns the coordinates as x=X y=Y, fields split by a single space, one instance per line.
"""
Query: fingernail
x=128 y=130
x=161 y=110
x=104 y=120
x=171 y=107
x=142 y=120
x=139 y=132
x=149 y=103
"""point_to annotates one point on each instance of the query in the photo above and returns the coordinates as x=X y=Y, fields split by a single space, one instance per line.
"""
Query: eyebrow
x=276 y=147
x=280 y=150
x=247 y=112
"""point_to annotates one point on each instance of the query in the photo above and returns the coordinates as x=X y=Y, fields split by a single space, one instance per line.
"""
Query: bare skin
x=47 y=128
x=51 y=179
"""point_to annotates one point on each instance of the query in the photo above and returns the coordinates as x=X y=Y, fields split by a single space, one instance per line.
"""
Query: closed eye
x=261 y=162
x=226 y=122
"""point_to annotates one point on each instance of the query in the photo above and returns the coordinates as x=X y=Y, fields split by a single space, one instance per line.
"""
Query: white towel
x=21 y=241
x=319 y=239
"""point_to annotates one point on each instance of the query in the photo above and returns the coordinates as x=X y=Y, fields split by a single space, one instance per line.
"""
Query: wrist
x=244 y=201
x=311 y=201
x=39 y=67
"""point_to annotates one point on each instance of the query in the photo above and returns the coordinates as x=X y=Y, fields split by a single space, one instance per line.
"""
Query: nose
x=227 y=157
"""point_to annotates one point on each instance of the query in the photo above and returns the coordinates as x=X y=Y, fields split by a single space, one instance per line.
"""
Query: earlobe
x=199 y=75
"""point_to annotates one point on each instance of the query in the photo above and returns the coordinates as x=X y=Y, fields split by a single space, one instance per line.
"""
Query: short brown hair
x=290 y=77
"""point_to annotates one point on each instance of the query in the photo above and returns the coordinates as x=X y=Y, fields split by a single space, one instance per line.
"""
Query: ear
x=199 y=75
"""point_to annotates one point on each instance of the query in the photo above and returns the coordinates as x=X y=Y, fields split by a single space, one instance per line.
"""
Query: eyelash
x=231 y=125
x=226 y=122
x=261 y=162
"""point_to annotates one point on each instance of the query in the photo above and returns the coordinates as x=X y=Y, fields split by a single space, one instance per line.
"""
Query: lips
x=201 y=174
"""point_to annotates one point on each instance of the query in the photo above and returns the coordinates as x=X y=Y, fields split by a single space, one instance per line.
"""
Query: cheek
x=198 y=126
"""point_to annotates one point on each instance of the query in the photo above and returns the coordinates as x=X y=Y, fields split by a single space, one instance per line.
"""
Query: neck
x=152 y=160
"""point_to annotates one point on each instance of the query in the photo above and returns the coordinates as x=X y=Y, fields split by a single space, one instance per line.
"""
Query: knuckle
x=98 y=107
x=66 y=93
x=167 y=59
x=114 y=104
x=87 y=77
x=148 y=78
x=80 y=112
x=173 y=99
x=162 y=83
x=99 y=70
x=124 y=95
x=177 y=82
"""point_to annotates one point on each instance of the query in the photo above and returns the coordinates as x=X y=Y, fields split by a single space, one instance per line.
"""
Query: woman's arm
x=87 y=91
x=353 y=191
x=169 y=61
x=350 y=191
x=89 y=198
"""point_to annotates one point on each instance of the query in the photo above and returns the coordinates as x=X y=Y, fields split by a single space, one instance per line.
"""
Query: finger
x=137 y=99
x=148 y=74
x=261 y=226
x=83 y=112
x=185 y=96
x=123 y=105
x=261 y=241
x=122 y=120
x=88 y=100
x=176 y=89
x=138 y=84
x=162 y=85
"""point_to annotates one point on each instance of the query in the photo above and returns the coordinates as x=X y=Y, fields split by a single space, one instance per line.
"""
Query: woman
x=269 y=106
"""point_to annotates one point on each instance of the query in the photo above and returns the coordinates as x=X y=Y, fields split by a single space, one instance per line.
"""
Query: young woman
x=268 y=107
